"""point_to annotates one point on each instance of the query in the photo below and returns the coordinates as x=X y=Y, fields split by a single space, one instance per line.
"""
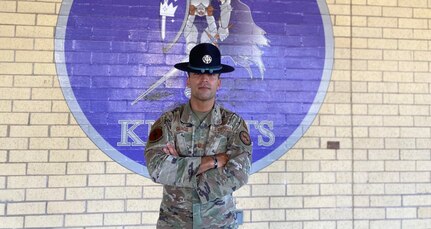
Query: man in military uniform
x=200 y=152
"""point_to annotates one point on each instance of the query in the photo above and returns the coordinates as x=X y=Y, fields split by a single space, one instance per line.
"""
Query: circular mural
x=115 y=65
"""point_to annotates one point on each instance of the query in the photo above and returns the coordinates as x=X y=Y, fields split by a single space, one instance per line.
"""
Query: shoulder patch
x=155 y=135
x=245 y=138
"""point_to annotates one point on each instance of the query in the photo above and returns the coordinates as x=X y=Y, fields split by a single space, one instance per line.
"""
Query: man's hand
x=207 y=162
x=170 y=150
x=222 y=159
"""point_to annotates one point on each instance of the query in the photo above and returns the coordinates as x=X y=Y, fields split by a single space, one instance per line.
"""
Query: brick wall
x=378 y=107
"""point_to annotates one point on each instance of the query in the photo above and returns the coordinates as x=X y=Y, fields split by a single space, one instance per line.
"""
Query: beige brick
x=123 y=192
x=342 y=53
x=6 y=81
x=322 y=154
x=338 y=97
x=369 y=213
x=28 y=156
x=398 y=55
x=8 y=6
x=415 y=154
x=359 y=86
x=268 y=215
x=26 y=181
x=302 y=166
x=368 y=166
x=106 y=206
x=424 y=212
x=336 y=189
x=34 y=56
x=397 y=121
x=46 y=20
x=416 y=88
x=367 y=120
x=139 y=180
x=339 y=9
x=67 y=131
x=16 y=68
x=415 y=66
x=382 y=22
x=382 y=110
x=385 y=201
x=368 y=143
x=302 y=214
x=397 y=98
x=397 y=12
x=385 y=65
x=341 y=31
x=14 y=93
x=397 y=143
x=368 y=32
x=384 y=154
x=359 y=65
x=12 y=222
x=416 y=223
x=45 y=194
x=44 y=69
x=85 y=168
x=417 y=200
x=29 y=131
x=319 y=202
x=421 y=13
x=152 y=191
x=16 y=43
x=32 y=106
x=415 y=177
x=48 y=143
x=34 y=31
x=68 y=155
x=7 y=55
x=413 y=23
x=143 y=205
x=3 y=155
x=422 y=121
x=67 y=181
x=36 y=7
x=368 y=98
x=398 y=76
x=150 y=217
x=319 y=177
x=268 y=190
x=84 y=193
x=367 y=54
x=423 y=143
x=302 y=189
x=416 y=110
x=359 y=21
x=81 y=143
x=17 y=19
x=30 y=208
x=335 y=214
x=44 y=44
x=32 y=81
x=106 y=180
x=412 y=45
x=407 y=132
x=333 y=120
x=7 y=31
x=382 y=132
x=400 y=165
x=283 y=178
x=366 y=10
x=14 y=143
x=84 y=220
x=276 y=202
x=377 y=224
x=421 y=34
x=61 y=207
x=60 y=106
x=46 y=168
x=49 y=118
x=47 y=93
x=122 y=218
x=412 y=3
x=422 y=55
x=383 y=44
x=342 y=20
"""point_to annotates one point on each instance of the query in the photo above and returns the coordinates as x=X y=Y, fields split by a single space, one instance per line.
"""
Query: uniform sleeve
x=167 y=169
x=216 y=183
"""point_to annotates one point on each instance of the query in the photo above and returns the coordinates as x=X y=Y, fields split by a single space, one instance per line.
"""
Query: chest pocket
x=184 y=143
x=217 y=144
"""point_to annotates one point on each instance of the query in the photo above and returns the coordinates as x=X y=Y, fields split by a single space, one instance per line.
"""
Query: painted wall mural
x=115 y=65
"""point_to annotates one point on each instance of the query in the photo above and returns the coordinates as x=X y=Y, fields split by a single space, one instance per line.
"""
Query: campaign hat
x=204 y=58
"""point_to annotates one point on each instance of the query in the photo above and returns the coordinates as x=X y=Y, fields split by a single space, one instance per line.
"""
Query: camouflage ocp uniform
x=205 y=200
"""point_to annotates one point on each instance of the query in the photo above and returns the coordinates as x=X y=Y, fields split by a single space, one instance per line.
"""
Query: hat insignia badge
x=207 y=59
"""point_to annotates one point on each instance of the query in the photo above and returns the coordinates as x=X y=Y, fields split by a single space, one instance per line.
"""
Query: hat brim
x=186 y=67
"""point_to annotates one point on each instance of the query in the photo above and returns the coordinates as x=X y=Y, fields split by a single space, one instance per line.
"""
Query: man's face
x=203 y=86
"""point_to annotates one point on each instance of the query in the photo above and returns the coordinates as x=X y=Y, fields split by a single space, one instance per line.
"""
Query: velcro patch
x=245 y=138
x=155 y=135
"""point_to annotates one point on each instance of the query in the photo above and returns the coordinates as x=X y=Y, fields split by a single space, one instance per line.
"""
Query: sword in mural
x=166 y=10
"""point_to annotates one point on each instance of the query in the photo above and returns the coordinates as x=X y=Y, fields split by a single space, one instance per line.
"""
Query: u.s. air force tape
x=155 y=135
x=245 y=138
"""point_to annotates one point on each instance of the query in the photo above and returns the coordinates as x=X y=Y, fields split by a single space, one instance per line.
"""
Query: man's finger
x=171 y=149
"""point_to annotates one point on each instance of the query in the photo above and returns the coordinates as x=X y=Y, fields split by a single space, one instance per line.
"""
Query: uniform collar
x=214 y=117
